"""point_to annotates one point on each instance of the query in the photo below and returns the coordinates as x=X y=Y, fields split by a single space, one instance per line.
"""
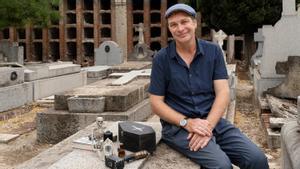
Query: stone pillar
x=230 y=48
x=298 y=109
x=121 y=25
x=288 y=7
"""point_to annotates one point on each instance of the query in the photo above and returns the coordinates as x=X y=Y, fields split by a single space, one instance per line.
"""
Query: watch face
x=182 y=122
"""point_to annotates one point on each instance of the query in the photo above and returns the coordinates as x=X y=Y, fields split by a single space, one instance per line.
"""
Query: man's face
x=182 y=27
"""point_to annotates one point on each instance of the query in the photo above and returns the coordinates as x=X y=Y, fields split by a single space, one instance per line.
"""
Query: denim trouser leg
x=230 y=146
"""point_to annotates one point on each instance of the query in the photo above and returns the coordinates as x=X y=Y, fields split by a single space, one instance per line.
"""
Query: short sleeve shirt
x=188 y=90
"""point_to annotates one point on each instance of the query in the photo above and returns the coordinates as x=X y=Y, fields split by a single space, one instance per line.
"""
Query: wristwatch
x=183 y=122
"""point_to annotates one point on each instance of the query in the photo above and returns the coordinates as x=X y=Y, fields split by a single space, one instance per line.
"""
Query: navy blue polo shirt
x=188 y=90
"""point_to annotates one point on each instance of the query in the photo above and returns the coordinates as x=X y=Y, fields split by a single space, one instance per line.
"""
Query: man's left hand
x=197 y=141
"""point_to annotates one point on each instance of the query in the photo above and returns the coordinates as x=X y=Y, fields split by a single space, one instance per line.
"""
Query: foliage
x=20 y=12
x=238 y=16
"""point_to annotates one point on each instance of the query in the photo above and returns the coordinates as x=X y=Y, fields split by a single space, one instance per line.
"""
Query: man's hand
x=199 y=126
x=197 y=141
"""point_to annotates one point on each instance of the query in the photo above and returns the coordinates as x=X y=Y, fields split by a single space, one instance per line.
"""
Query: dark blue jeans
x=227 y=146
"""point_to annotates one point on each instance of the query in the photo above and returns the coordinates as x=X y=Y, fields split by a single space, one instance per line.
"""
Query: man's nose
x=180 y=27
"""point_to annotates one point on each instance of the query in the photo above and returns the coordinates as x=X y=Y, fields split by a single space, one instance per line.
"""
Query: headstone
x=11 y=76
x=290 y=87
x=141 y=51
x=219 y=37
x=256 y=57
x=12 y=51
x=288 y=7
x=109 y=53
x=128 y=77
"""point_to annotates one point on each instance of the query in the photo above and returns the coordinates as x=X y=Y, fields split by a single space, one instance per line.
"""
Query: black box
x=137 y=137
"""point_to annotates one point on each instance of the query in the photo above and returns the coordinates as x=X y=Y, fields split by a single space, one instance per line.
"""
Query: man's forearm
x=219 y=106
x=164 y=111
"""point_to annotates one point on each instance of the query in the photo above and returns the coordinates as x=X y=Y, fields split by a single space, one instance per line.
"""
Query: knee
x=258 y=160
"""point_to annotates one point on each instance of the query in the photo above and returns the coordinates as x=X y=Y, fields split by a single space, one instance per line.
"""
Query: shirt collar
x=173 y=53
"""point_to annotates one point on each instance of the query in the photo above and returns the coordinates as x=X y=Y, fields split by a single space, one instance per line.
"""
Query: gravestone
x=280 y=41
x=11 y=76
x=290 y=87
x=109 y=53
x=256 y=57
x=219 y=37
x=141 y=51
x=128 y=77
x=12 y=52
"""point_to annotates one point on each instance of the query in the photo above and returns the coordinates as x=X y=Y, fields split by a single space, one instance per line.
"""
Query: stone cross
x=220 y=36
x=140 y=29
x=129 y=76
x=288 y=7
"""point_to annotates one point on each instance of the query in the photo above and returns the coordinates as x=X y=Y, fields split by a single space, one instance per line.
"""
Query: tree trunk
x=249 y=49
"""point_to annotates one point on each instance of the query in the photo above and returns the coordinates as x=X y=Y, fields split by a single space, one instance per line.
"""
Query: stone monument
x=219 y=37
x=109 y=53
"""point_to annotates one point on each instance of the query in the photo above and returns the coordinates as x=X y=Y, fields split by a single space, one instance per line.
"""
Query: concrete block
x=41 y=71
x=16 y=95
x=273 y=138
x=290 y=145
x=82 y=104
x=51 y=86
x=277 y=123
x=5 y=138
x=11 y=76
x=117 y=98
x=97 y=71
x=55 y=125
x=261 y=84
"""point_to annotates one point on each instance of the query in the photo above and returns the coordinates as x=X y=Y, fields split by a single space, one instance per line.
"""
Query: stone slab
x=5 y=138
x=63 y=150
x=55 y=125
x=86 y=104
x=37 y=71
x=99 y=72
x=277 y=123
x=130 y=76
x=128 y=66
x=290 y=145
x=298 y=109
x=273 y=138
x=50 y=86
x=261 y=84
x=117 y=98
x=16 y=95
x=81 y=159
x=11 y=76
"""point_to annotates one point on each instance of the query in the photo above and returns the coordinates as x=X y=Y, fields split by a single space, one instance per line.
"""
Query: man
x=189 y=92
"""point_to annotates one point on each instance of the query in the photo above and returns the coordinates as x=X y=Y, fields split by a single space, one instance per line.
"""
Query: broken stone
x=281 y=107
x=290 y=87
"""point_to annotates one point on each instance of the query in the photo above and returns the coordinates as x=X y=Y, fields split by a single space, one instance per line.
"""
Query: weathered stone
x=117 y=98
x=109 y=53
x=290 y=87
x=12 y=51
x=15 y=96
x=298 y=109
x=290 y=145
x=282 y=107
x=5 y=138
x=128 y=77
x=277 y=123
x=55 y=125
x=60 y=154
x=36 y=71
x=61 y=101
x=273 y=138
x=82 y=104
x=128 y=66
x=97 y=71
x=11 y=76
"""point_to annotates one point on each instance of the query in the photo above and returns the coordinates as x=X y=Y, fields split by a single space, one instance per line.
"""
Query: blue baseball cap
x=180 y=7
